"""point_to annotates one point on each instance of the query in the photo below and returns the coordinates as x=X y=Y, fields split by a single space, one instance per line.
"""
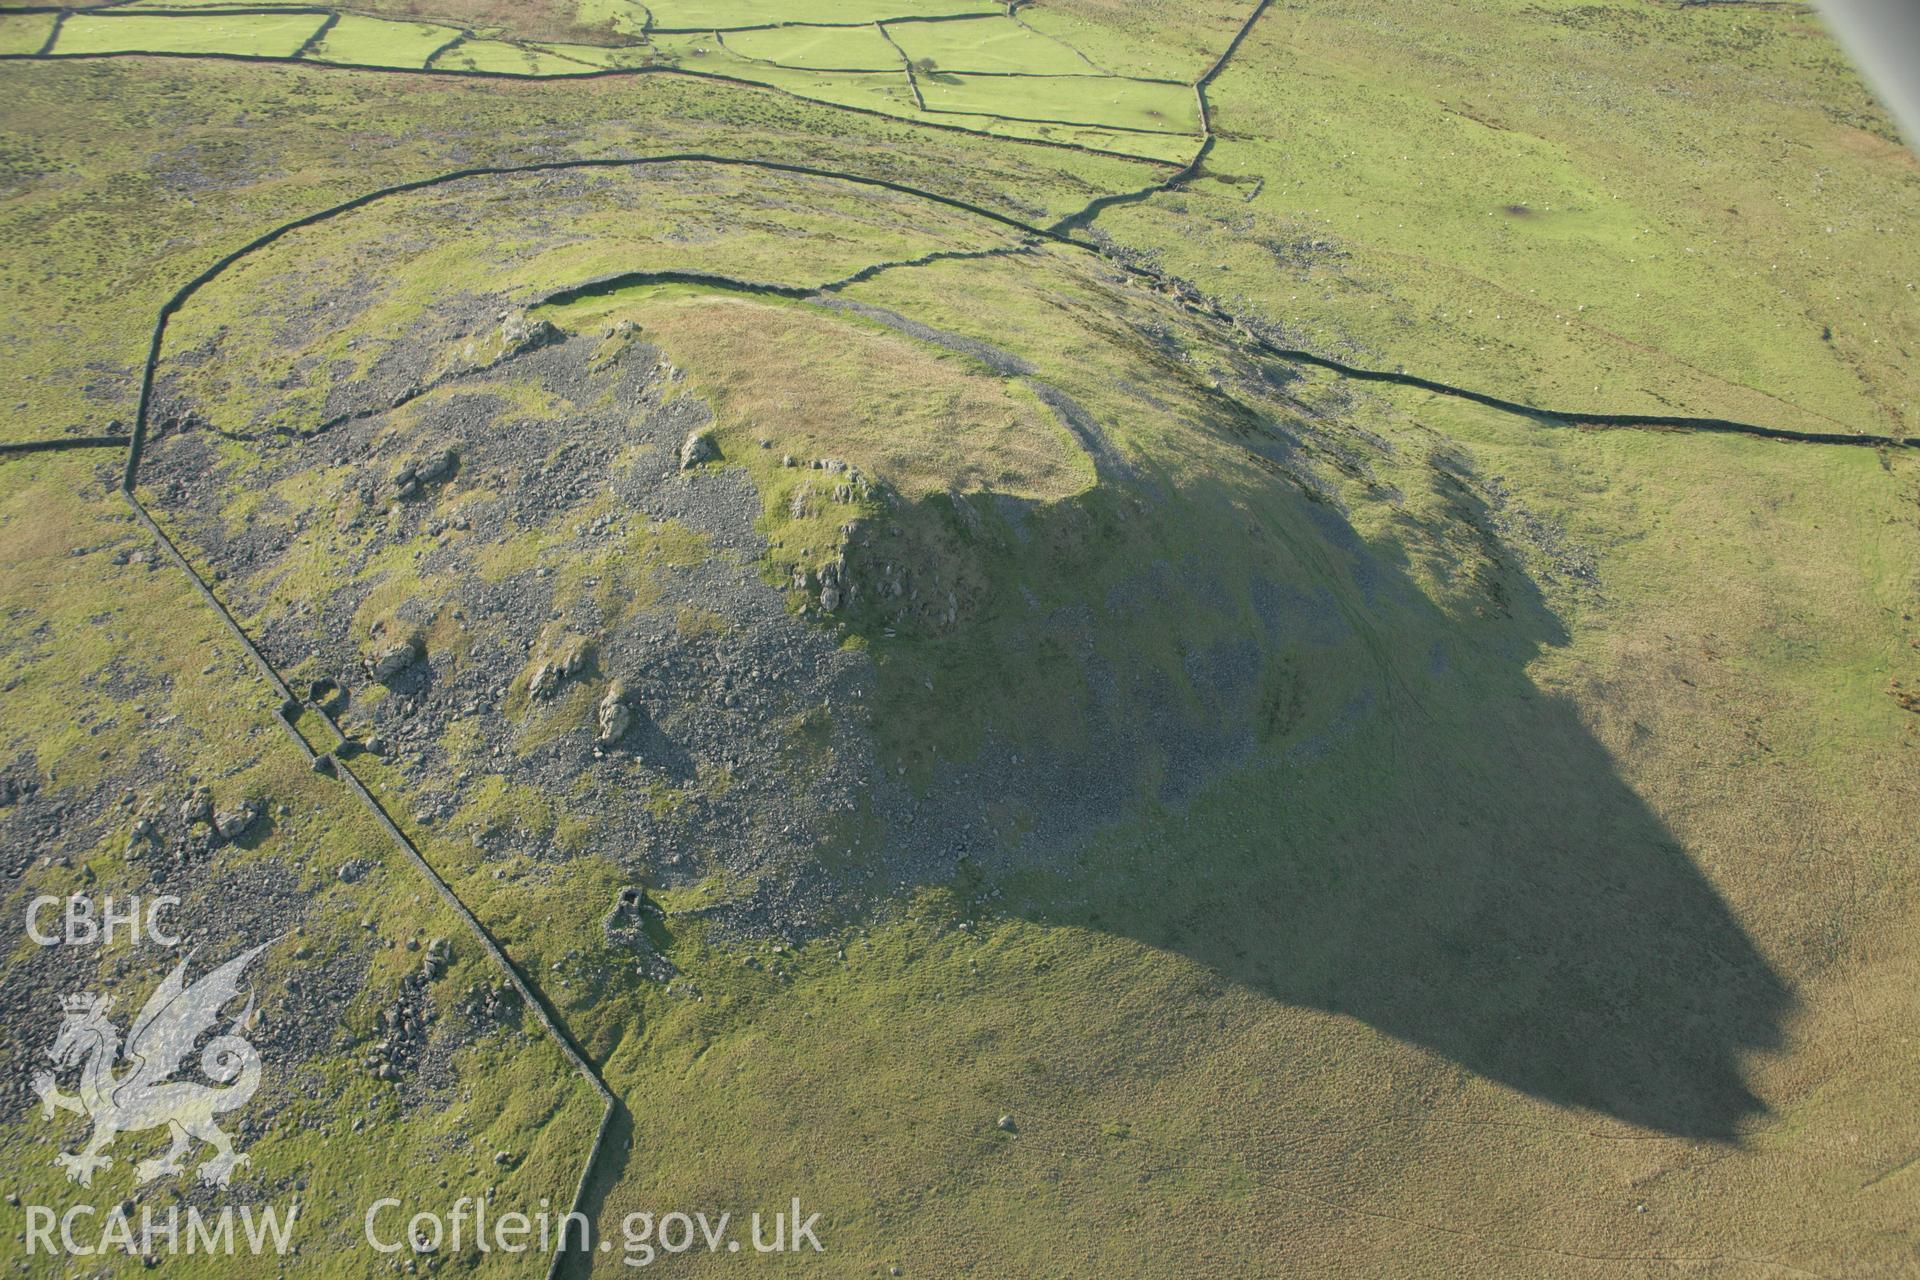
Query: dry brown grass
x=524 y=19
x=819 y=386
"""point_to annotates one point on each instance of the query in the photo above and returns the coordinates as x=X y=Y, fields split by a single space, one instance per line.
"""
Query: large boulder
x=835 y=588
x=698 y=448
x=518 y=334
x=432 y=469
x=231 y=824
x=439 y=955
x=615 y=716
x=389 y=660
x=626 y=926
x=197 y=807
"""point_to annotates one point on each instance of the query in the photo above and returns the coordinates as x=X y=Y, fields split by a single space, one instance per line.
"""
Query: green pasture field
x=1118 y=115
x=889 y=93
x=589 y=57
x=139 y=6
x=689 y=15
x=991 y=44
x=819 y=48
x=374 y=42
x=1158 y=39
x=24 y=33
x=256 y=35
x=1071 y=99
x=602 y=21
x=1170 y=149
x=508 y=59
x=1557 y=237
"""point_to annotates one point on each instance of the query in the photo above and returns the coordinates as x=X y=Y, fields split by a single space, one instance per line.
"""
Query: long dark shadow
x=1459 y=864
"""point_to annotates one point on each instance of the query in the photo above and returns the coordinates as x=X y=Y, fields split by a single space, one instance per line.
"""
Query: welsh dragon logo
x=143 y=1096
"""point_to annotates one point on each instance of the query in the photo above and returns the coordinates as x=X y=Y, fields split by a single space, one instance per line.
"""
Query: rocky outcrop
x=548 y=676
x=615 y=716
x=698 y=447
x=834 y=588
x=415 y=476
x=626 y=926
x=231 y=824
x=197 y=807
x=519 y=334
x=391 y=659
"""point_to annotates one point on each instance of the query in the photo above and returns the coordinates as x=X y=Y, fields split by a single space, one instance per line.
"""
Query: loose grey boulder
x=390 y=660
x=519 y=334
x=436 y=466
x=698 y=448
x=615 y=717
x=834 y=588
x=432 y=469
x=197 y=807
x=439 y=952
x=625 y=926
x=231 y=824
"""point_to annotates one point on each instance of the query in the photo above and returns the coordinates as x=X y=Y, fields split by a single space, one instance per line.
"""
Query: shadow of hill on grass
x=1555 y=939
x=1436 y=847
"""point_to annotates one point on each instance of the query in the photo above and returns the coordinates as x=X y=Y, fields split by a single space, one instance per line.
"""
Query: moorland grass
x=938 y=423
x=117 y=236
x=190 y=708
x=1240 y=989
x=490 y=237
x=1575 y=237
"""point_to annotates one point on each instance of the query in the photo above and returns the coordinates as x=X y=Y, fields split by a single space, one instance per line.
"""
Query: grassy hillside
x=1626 y=207
x=955 y=727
